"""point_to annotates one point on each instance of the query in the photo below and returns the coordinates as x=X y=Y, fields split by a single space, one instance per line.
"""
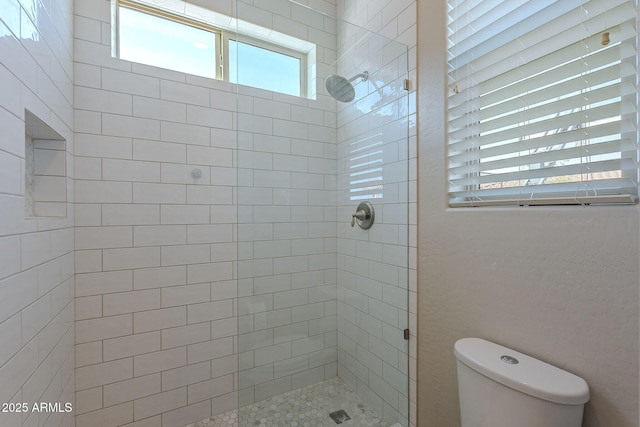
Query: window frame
x=222 y=41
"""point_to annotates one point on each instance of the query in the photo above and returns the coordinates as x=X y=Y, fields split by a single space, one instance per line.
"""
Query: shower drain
x=339 y=416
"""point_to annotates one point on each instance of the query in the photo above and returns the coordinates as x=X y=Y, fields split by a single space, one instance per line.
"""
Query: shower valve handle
x=364 y=215
x=361 y=215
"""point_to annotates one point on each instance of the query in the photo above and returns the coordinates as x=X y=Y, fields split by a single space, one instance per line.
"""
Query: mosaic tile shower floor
x=306 y=407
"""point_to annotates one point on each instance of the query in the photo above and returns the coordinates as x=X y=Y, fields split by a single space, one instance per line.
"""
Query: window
x=152 y=36
x=284 y=73
x=543 y=102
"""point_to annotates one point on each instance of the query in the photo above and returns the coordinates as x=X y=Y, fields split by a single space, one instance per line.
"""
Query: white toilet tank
x=500 y=387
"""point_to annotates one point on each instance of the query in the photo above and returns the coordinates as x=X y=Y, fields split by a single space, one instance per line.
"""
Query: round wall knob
x=196 y=173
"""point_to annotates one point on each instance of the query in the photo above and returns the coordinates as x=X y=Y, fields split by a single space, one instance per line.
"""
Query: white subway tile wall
x=36 y=242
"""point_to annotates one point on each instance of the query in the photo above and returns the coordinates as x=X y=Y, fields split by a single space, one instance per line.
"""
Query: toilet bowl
x=500 y=387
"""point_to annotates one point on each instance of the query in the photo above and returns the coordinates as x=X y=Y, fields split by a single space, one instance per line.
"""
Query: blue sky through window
x=263 y=68
x=160 y=42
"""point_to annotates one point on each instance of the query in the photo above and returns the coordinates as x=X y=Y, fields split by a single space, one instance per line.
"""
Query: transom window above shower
x=180 y=36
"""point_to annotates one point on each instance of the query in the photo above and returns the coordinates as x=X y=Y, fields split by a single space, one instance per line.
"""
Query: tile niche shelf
x=45 y=181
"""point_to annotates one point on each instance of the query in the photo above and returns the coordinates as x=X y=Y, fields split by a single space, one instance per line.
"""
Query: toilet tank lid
x=531 y=376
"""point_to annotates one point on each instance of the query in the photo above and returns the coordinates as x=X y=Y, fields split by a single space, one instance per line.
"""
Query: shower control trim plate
x=364 y=216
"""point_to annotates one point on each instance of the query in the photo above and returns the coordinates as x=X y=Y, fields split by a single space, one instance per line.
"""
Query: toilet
x=500 y=387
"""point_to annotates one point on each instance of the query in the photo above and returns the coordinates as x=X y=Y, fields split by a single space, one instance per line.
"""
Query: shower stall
x=242 y=236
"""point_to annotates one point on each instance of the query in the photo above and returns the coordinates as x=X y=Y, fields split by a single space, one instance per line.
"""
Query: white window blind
x=543 y=102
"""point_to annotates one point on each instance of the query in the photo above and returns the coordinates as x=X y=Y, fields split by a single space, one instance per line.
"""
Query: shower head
x=342 y=89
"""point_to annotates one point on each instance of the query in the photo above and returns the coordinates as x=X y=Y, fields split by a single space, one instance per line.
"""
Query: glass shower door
x=322 y=304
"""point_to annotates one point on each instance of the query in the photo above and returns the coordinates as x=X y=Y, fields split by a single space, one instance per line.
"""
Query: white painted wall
x=36 y=254
x=560 y=284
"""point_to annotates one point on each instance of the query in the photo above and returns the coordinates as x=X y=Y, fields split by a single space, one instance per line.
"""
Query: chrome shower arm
x=364 y=76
